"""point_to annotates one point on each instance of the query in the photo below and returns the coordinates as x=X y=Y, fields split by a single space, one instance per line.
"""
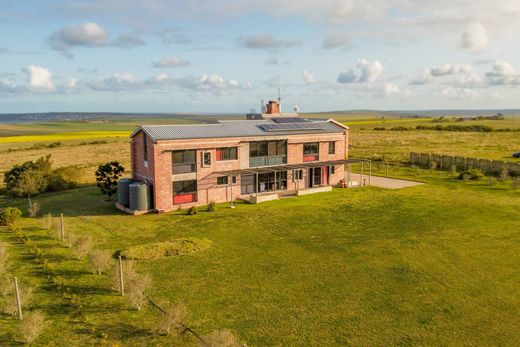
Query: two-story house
x=256 y=159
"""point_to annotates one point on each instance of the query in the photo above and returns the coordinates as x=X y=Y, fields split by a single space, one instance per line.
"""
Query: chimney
x=273 y=107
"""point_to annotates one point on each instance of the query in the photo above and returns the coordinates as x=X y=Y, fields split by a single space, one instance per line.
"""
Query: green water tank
x=123 y=191
x=139 y=196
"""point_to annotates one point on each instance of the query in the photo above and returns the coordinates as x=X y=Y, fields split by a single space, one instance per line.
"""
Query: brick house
x=258 y=159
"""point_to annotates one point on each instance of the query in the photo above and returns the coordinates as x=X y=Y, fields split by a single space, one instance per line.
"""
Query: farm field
x=364 y=266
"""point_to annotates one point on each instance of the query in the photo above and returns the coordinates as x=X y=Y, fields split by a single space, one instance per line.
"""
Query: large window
x=227 y=153
x=332 y=147
x=267 y=153
x=184 y=187
x=183 y=161
x=222 y=180
x=311 y=151
x=206 y=159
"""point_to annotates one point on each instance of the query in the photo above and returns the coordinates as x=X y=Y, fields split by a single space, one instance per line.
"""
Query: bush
x=31 y=326
x=82 y=246
x=192 y=211
x=135 y=287
x=56 y=183
x=212 y=206
x=472 y=174
x=100 y=260
x=171 y=321
x=9 y=215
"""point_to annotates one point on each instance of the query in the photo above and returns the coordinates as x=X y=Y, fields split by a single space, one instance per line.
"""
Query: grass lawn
x=436 y=264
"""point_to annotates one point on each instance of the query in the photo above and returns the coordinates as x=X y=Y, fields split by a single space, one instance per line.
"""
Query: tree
x=42 y=165
x=32 y=326
x=107 y=176
x=171 y=321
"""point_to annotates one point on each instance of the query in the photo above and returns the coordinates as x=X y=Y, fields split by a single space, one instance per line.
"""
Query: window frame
x=206 y=161
x=306 y=151
x=332 y=147
x=226 y=153
x=184 y=153
x=224 y=180
x=185 y=185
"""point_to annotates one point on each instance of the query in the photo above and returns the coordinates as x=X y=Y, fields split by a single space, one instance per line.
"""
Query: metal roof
x=238 y=128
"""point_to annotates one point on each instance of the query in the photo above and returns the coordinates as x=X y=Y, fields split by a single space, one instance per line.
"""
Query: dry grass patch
x=158 y=250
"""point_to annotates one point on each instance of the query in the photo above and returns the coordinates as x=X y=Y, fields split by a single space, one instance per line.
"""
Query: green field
x=435 y=264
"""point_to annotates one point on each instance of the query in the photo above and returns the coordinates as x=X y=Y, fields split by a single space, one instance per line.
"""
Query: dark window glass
x=262 y=149
x=332 y=169
x=268 y=148
x=227 y=153
x=222 y=180
x=183 y=161
x=272 y=148
x=282 y=147
x=184 y=187
x=207 y=159
x=332 y=147
x=234 y=179
x=310 y=148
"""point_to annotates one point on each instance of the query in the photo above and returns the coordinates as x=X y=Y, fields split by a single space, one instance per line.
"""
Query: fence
x=446 y=162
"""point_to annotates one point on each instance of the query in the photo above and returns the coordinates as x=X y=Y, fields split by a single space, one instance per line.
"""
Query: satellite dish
x=296 y=108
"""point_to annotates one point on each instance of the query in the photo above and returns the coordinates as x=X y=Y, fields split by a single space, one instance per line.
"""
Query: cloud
x=458 y=93
x=117 y=82
x=172 y=61
x=83 y=35
x=265 y=41
x=39 y=78
x=465 y=75
x=503 y=73
x=347 y=76
x=308 y=78
x=369 y=71
x=336 y=40
x=391 y=89
x=450 y=69
x=272 y=61
x=174 y=35
x=475 y=38
x=214 y=84
x=128 y=41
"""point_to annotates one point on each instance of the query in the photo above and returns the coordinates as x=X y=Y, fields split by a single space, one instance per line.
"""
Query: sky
x=228 y=55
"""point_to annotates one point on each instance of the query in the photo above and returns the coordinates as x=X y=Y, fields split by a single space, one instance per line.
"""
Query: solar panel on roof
x=290 y=127
x=289 y=120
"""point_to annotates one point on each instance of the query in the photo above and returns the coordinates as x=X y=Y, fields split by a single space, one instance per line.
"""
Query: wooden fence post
x=62 y=228
x=121 y=281
x=18 y=302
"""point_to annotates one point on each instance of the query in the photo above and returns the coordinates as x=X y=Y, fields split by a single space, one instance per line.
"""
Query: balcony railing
x=266 y=161
x=183 y=168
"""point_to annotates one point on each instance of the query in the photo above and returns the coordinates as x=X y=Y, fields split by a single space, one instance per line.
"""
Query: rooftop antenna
x=279 y=101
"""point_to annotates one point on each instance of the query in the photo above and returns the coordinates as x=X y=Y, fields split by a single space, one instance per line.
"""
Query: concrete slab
x=392 y=183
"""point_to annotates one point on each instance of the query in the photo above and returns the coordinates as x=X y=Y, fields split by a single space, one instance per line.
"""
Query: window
x=222 y=180
x=268 y=148
x=184 y=187
x=311 y=148
x=332 y=147
x=145 y=147
x=183 y=161
x=227 y=153
x=332 y=169
x=298 y=175
x=234 y=179
x=206 y=159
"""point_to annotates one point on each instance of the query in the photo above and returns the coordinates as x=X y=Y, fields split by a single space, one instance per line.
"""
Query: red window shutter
x=219 y=153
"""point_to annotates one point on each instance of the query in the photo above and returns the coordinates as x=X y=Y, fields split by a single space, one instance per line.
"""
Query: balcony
x=267 y=161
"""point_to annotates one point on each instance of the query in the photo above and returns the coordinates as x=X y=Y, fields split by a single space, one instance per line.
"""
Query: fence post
x=62 y=228
x=18 y=302
x=121 y=281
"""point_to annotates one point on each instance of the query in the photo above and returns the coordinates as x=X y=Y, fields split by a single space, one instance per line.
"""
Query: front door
x=314 y=177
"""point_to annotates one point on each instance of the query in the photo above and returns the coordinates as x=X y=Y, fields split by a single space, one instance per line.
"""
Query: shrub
x=9 y=215
x=33 y=209
x=472 y=174
x=42 y=165
x=192 y=211
x=8 y=302
x=31 y=326
x=135 y=287
x=100 y=260
x=107 y=176
x=171 y=321
x=212 y=206
x=82 y=246
x=223 y=338
x=56 y=183
x=158 y=250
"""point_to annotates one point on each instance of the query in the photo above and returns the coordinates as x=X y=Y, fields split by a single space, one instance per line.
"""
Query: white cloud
x=391 y=89
x=39 y=78
x=84 y=35
x=450 y=69
x=465 y=75
x=336 y=40
x=214 y=84
x=503 y=73
x=475 y=38
x=118 y=82
x=370 y=70
x=308 y=77
x=458 y=93
x=265 y=41
x=172 y=61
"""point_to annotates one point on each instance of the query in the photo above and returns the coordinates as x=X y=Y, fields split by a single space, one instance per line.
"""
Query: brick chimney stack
x=273 y=107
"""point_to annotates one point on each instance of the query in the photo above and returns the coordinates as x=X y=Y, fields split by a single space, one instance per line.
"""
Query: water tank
x=139 y=196
x=123 y=191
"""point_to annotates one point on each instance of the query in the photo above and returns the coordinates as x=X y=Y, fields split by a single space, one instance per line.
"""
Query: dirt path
x=392 y=183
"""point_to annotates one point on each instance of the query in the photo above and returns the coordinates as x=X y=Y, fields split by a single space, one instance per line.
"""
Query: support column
x=369 y=171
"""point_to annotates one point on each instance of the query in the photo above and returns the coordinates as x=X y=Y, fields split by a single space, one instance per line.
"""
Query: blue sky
x=227 y=55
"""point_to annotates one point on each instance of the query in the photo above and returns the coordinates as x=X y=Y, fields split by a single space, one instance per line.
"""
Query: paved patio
x=392 y=183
